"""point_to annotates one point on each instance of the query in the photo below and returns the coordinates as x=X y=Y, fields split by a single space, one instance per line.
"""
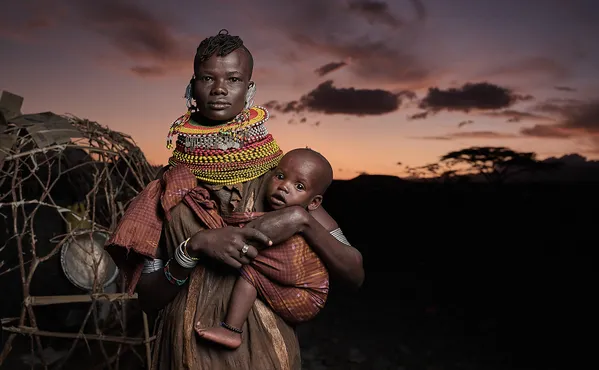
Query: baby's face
x=293 y=183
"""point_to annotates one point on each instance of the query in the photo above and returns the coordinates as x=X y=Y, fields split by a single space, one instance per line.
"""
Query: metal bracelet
x=338 y=234
x=185 y=250
x=152 y=265
x=182 y=258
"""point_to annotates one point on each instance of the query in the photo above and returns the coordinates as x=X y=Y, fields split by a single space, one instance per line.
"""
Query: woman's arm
x=343 y=261
x=154 y=291
x=224 y=245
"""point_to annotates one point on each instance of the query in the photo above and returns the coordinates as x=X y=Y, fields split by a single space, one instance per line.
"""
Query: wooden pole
x=147 y=340
x=59 y=299
x=108 y=338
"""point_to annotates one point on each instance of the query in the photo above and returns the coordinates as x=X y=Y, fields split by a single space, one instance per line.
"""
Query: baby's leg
x=229 y=332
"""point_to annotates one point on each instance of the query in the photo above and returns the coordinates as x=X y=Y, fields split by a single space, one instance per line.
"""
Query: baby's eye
x=235 y=79
x=279 y=176
x=300 y=187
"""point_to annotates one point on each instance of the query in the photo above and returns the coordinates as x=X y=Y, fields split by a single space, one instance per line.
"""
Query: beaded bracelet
x=171 y=279
x=229 y=327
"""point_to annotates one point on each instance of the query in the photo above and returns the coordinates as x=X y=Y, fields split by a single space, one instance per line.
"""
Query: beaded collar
x=235 y=152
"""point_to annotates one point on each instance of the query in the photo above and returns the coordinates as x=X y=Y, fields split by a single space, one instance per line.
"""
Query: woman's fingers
x=232 y=262
x=251 y=234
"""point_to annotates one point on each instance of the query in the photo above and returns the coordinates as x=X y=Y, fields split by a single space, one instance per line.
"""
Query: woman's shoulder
x=161 y=172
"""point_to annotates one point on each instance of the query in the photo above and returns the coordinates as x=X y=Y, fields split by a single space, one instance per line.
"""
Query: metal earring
x=249 y=96
x=189 y=96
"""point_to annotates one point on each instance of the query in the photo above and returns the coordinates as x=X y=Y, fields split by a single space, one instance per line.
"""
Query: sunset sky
x=367 y=83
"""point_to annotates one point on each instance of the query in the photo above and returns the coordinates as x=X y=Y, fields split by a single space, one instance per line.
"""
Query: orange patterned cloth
x=137 y=235
x=289 y=276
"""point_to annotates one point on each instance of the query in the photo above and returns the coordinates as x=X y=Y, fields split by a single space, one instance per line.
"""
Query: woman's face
x=221 y=85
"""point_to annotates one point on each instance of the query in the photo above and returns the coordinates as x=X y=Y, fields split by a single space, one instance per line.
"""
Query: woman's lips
x=219 y=105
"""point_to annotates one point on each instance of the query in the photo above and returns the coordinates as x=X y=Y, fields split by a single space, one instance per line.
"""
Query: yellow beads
x=232 y=166
x=231 y=176
x=244 y=155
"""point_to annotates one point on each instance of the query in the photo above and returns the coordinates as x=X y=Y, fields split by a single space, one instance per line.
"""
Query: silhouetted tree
x=432 y=170
x=496 y=164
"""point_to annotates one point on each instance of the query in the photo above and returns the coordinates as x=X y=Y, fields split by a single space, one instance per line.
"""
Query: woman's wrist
x=193 y=247
x=302 y=219
x=175 y=273
x=179 y=267
x=182 y=256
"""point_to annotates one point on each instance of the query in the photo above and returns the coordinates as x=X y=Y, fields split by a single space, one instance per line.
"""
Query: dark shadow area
x=462 y=272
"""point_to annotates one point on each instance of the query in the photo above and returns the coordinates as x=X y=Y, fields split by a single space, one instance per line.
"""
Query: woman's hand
x=233 y=246
x=281 y=224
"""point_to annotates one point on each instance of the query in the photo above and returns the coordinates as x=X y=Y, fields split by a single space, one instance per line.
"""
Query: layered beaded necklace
x=235 y=152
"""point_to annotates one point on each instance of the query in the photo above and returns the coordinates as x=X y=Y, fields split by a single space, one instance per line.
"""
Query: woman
x=189 y=270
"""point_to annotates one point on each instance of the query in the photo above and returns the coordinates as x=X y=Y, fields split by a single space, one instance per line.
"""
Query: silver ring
x=245 y=249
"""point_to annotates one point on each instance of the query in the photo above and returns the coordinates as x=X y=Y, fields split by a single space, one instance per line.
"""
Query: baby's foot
x=221 y=335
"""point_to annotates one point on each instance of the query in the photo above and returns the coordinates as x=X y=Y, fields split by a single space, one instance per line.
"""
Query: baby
x=289 y=277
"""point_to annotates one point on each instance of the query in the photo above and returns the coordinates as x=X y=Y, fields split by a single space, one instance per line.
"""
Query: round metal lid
x=85 y=262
